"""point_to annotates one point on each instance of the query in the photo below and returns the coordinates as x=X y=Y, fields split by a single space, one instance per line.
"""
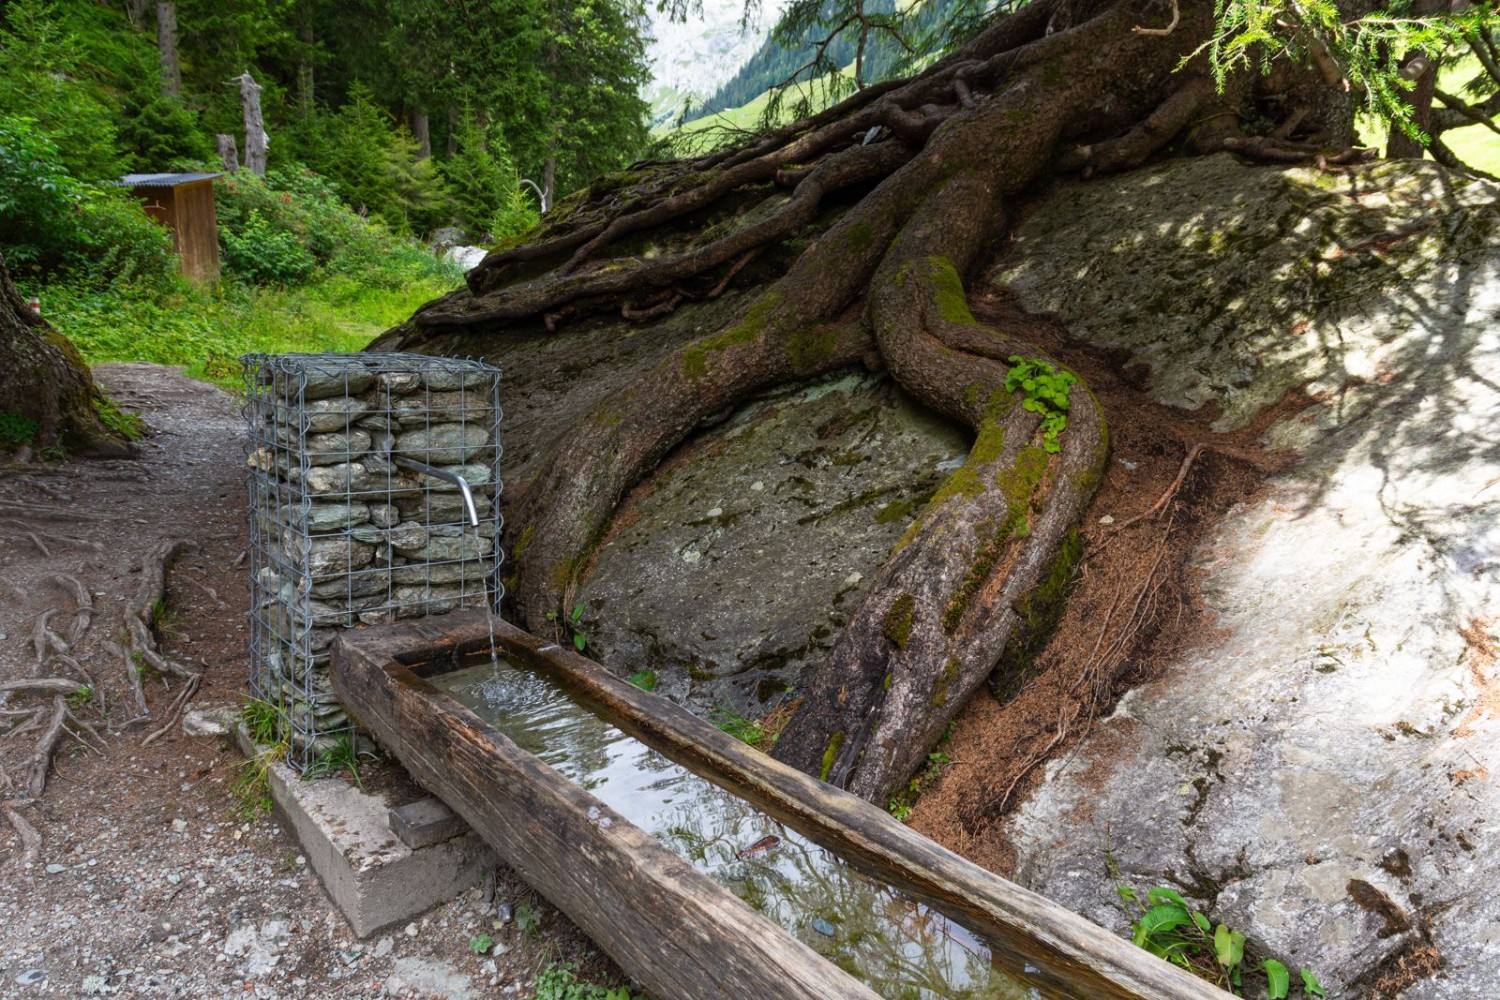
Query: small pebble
x=411 y=930
x=506 y=912
x=56 y=869
x=31 y=977
x=383 y=947
x=1128 y=464
x=179 y=826
x=823 y=927
x=1107 y=519
x=757 y=486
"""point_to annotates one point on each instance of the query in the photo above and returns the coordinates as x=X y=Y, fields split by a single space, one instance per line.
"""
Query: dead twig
x=1165 y=498
x=213 y=594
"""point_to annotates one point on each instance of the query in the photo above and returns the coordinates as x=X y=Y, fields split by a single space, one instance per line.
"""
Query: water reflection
x=897 y=946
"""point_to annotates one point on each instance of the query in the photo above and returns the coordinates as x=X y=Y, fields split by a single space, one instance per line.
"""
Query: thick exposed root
x=31 y=840
x=141 y=614
x=929 y=165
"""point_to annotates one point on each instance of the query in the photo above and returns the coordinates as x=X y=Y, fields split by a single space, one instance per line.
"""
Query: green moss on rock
x=830 y=755
x=896 y=626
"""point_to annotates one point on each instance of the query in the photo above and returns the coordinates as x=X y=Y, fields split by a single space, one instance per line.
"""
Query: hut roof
x=163 y=180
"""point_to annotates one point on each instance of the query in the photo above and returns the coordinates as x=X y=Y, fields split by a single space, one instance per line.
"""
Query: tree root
x=1164 y=499
x=31 y=840
x=140 y=615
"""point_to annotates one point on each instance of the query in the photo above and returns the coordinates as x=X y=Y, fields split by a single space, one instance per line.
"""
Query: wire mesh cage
x=374 y=489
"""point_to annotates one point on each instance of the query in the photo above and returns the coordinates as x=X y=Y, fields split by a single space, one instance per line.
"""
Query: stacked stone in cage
x=342 y=534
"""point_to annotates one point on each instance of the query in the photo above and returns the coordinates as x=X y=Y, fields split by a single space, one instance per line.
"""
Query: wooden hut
x=184 y=203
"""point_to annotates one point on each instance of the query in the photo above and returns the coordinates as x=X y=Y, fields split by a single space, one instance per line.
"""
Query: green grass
x=205 y=330
x=1475 y=145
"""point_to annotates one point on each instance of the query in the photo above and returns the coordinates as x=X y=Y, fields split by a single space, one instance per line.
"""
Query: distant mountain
x=690 y=61
x=773 y=62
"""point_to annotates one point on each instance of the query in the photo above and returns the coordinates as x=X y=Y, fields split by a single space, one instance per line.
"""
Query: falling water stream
x=900 y=948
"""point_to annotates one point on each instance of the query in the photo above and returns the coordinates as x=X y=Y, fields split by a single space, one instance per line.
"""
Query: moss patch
x=859 y=237
x=944 y=682
x=948 y=290
x=966 y=481
x=808 y=349
x=695 y=358
x=830 y=755
x=896 y=626
x=1039 y=612
x=524 y=542
x=894 y=511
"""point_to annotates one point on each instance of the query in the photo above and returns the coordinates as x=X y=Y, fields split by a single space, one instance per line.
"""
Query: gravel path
x=151 y=879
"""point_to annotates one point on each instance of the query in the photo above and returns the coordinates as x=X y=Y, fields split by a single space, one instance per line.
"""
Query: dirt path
x=150 y=879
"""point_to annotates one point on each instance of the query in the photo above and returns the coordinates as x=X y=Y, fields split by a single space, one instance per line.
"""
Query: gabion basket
x=374 y=490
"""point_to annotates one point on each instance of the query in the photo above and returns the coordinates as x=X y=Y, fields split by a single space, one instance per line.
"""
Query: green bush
x=159 y=133
x=40 y=78
x=374 y=165
x=264 y=254
x=484 y=186
x=300 y=206
x=52 y=224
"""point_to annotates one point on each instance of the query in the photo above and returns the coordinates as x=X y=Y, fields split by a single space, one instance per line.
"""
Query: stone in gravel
x=55 y=869
x=209 y=720
x=31 y=977
x=383 y=947
x=179 y=826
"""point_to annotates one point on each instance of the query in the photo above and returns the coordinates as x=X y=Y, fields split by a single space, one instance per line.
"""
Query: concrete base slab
x=374 y=879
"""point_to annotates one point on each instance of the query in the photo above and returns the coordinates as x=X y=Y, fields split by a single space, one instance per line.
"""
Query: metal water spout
x=446 y=476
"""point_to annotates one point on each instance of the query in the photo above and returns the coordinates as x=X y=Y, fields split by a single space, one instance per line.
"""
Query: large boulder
x=1318 y=770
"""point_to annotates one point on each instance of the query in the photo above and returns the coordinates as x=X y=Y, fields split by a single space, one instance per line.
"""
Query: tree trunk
x=904 y=184
x=256 y=140
x=549 y=183
x=44 y=382
x=421 y=129
x=306 y=43
x=229 y=155
x=166 y=48
x=1420 y=67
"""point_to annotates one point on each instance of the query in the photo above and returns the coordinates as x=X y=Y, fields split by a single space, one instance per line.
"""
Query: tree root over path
x=145 y=611
x=863 y=223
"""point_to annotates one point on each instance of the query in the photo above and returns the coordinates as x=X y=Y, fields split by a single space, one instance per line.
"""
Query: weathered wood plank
x=670 y=927
x=1072 y=954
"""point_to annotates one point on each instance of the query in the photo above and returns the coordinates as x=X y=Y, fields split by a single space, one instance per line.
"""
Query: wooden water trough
x=669 y=926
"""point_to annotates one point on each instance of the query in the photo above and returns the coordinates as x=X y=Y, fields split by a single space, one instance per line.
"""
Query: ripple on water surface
x=900 y=948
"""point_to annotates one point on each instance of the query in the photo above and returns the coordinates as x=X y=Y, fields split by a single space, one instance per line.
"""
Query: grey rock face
x=1315 y=771
x=735 y=570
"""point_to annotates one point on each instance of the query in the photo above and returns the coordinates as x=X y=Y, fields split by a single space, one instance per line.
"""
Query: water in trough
x=900 y=948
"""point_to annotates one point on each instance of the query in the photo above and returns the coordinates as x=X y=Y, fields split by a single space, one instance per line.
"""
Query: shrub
x=300 y=206
x=266 y=254
x=55 y=225
x=484 y=186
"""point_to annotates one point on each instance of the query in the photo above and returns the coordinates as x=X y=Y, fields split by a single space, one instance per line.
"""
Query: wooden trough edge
x=1070 y=953
x=670 y=927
